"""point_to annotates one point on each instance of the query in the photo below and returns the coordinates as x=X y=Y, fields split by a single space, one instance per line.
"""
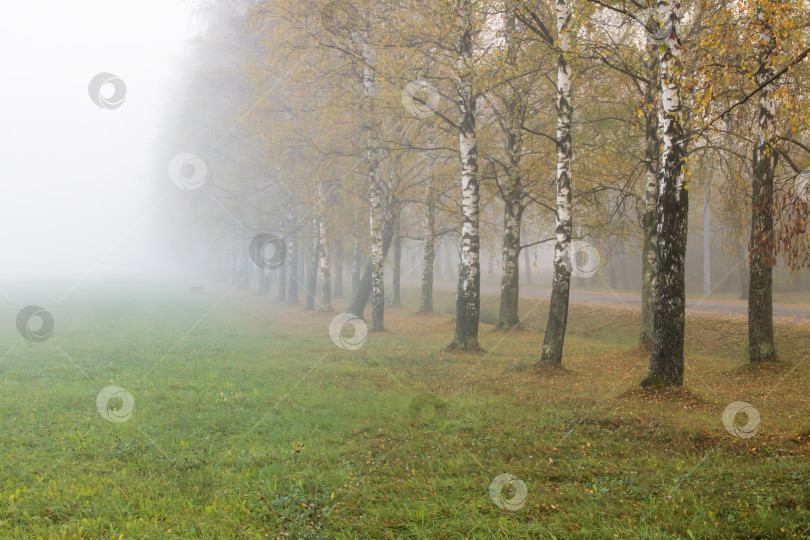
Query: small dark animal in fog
x=197 y=289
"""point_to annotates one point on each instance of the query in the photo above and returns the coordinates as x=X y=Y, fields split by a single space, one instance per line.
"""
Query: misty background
x=78 y=191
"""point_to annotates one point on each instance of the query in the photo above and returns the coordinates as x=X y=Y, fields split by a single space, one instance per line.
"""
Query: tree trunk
x=666 y=357
x=429 y=254
x=707 y=246
x=468 y=297
x=558 y=309
x=357 y=262
x=338 y=262
x=438 y=263
x=292 y=256
x=323 y=252
x=396 y=271
x=293 y=282
x=510 y=278
x=761 y=343
x=508 y=316
x=312 y=266
x=326 y=272
x=364 y=286
x=377 y=252
x=282 y=284
x=426 y=301
x=527 y=263
x=375 y=188
x=652 y=149
x=302 y=265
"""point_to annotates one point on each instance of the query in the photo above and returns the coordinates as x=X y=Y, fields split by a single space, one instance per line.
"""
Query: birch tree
x=375 y=200
x=429 y=232
x=323 y=253
x=560 y=289
x=652 y=160
x=468 y=293
x=666 y=358
x=511 y=122
x=761 y=343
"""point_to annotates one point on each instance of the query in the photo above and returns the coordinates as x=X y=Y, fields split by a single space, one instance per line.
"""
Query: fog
x=77 y=179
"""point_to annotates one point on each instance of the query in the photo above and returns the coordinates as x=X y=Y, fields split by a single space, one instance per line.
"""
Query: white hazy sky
x=73 y=176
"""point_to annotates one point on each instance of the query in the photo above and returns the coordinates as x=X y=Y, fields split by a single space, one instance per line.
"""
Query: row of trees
x=357 y=125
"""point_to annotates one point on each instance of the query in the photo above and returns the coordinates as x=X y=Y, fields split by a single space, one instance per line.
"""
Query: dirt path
x=790 y=313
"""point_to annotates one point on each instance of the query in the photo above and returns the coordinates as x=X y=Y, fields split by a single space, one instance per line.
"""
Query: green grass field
x=248 y=422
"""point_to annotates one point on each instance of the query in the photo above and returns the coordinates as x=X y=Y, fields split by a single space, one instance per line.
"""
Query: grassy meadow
x=249 y=422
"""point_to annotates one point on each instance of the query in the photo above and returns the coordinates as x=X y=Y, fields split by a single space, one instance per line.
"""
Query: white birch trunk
x=652 y=156
x=429 y=252
x=558 y=309
x=468 y=299
x=323 y=256
x=312 y=266
x=375 y=189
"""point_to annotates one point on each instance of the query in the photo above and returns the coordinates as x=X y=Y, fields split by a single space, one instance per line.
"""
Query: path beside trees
x=790 y=313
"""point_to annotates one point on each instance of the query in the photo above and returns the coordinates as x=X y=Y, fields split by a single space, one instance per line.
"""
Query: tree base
x=543 y=368
x=506 y=327
x=657 y=380
x=765 y=360
x=766 y=354
x=454 y=346
x=548 y=357
x=550 y=363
